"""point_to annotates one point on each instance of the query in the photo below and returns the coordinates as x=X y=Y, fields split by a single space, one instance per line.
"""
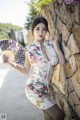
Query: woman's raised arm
x=58 y=50
x=23 y=69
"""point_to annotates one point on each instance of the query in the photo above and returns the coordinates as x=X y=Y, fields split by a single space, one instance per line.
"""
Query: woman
x=42 y=55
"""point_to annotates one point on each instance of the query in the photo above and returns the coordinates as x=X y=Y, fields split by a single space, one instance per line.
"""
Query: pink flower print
x=45 y=76
x=44 y=89
x=34 y=49
x=37 y=48
x=41 y=59
x=32 y=77
x=40 y=95
x=45 y=61
x=31 y=54
x=31 y=62
x=31 y=87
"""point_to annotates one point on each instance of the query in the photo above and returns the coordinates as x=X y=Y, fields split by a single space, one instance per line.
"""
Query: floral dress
x=37 y=85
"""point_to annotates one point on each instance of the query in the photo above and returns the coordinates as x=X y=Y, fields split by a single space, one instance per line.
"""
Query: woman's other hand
x=5 y=58
x=57 y=49
x=54 y=38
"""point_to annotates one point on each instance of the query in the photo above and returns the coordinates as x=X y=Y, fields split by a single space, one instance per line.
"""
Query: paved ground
x=13 y=101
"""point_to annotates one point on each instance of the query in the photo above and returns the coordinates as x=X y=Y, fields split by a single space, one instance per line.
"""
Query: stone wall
x=64 y=21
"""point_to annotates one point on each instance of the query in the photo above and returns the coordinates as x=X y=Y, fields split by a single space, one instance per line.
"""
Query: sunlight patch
x=3 y=74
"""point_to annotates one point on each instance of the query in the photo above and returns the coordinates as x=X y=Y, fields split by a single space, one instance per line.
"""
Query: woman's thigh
x=55 y=113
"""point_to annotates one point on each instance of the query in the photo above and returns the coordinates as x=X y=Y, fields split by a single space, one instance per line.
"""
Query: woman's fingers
x=54 y=37
x=5 y=58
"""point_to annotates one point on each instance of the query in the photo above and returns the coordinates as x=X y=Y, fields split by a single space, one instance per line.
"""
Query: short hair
x=38 y=20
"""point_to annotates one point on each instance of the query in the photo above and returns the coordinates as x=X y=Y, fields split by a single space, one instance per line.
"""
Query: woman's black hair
x=38 y=20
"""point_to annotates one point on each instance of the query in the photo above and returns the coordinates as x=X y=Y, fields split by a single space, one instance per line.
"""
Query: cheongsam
x=37 y=85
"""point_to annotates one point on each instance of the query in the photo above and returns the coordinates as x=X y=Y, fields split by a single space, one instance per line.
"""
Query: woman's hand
x=5 y=58
x=54 y=38
x=57 y=49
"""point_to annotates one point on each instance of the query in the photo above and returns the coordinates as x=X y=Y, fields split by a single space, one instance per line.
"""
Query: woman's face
x=40 y=31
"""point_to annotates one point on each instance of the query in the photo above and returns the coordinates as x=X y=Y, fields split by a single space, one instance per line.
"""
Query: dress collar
x=38 y=44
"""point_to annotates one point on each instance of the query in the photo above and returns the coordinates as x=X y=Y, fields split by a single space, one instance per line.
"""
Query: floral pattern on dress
x=37 y=85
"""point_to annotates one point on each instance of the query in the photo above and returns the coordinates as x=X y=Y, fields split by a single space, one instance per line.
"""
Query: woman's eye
x=44 y=29
x=37 y=29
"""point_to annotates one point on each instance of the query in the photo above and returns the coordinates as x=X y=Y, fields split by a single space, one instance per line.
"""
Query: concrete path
x=13 y=101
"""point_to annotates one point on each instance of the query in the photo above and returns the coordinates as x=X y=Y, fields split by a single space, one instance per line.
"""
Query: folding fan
x=13 y=50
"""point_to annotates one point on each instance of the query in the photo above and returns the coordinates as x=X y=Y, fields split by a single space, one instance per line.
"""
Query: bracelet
x=13 y=64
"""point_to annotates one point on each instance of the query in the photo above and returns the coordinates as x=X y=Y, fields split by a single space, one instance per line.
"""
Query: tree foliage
x=42 y=3
x=31 y=14
x=35 y=7
x=5 y=28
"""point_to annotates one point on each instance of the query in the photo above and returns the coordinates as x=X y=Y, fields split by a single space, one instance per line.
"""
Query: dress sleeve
x=27 y=51
x=54 y=57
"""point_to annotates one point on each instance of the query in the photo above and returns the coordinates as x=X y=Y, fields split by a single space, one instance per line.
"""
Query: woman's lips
x=40 y=36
